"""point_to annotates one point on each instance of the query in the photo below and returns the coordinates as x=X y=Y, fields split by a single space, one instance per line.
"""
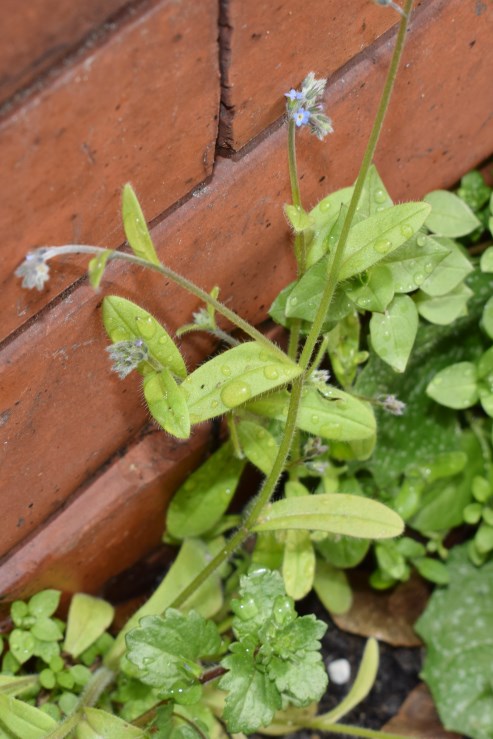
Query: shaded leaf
x=258 y=445
x=332 y=587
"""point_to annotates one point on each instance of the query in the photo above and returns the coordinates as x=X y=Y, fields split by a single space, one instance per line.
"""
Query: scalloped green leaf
x=336 y=416
x=393 y=333
x=449 y=216
x=167 y=404
x=258 y=445
x=135 y=227
x=338 y=513
x=455 y=386
x=232 y=378
x=125 y=320
x=88 y=618
x=203 y=498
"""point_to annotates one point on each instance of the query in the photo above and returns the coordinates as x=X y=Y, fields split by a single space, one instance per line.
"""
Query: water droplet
x=194 y=418
x=382 y=246
x=271 y=373
x=234 y=393
x=264 y=357
x=407 y=230
x=419 y=278
x=146 y=326
x=331 y=430
x=429 y=268
x=380 y=196
x=325 y=206
x=379 y=208
x=226 y=370
x=163 y=340
x=315 y=419
x=421 y=240
x=214 y=404
x=293 y=301
x=147 y=660
x=119 y=334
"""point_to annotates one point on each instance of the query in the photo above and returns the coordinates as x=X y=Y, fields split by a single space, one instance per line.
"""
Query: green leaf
x=444 y=309
x=473 y=190
x=10 y=685
x=258 y=445
x=124 y=320
x=201 y=501
x=98 y=724
x=233 y=377
x=24 y=721
x=454 y=268
x=343 y=345
x=376 y=294
x=135 y=226
x=323 y=217
x=351 y=515
x=456 y=627
x=258 y=591
x=449 y=216
x=46 y=629
x=332 y=587
x=432 y=570
x=364 y=682
x=297 y=217
x=343 y=551
x=486 y=261
x=374 y=197
x=167 y=651
x=45 y=603
x=193 y=556
x=167 y=404
x=393 y=333
x=252 y=697
x=487 y=318
x=413 y=262
x=455 y=386
x=88 y=618
x=96 y=267
x=338 y=415
x=298 y=564
x=379 y=235
x=21 y=645
x=304 y=298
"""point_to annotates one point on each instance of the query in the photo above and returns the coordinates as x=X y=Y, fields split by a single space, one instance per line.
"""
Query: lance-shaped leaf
x=201 y=501
x=88 y=618
x=96 y=267
x=336 y=513
x=379 y=235
x=97 y=724
x=124 y=321
x=337 y=416
x=167 y=404
x=449 y=216
x=24 y=721
x=232 y=378
x=258 y=445
x=393 y=333
x=374 y=197
x=135 y=227
x=413 y=262
x=13 y=685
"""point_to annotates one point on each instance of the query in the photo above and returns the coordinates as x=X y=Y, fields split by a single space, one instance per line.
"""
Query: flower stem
x=354 y=731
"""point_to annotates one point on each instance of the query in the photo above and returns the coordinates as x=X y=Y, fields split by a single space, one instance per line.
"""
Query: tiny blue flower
x=293 y=94
x=301 y=117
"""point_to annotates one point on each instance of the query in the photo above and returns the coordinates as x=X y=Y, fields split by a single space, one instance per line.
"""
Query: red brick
x=142 y=107
x=72 y=416
x=116 y=521
x=271 y=46
x=39 y=34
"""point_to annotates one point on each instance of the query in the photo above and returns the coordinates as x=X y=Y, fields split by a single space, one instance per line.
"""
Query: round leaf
x=450 y=216
x=455 y=386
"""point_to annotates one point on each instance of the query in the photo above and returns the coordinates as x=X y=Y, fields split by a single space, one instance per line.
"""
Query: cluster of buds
x=127 y=355
x=305 y=107
x=391 y=404
x=34 y=269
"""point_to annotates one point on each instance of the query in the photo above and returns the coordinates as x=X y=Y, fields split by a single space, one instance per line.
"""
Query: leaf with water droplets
x=393 y=333
x=338 y=513
x=258 y=445
x=374 y=197
x=297 y=217
x=376 y=293
x=203 y=498
x=455 y=386
x=298 y=564
x=372 y=239
x=413 y=262
x=449 y=216
x=338 y=415
x=96 y=267
x=454 y=268
x=135 y=227
x=124 y=320
x=323 y=217
x=166 y=402
x=444 y=309
x=233 y=377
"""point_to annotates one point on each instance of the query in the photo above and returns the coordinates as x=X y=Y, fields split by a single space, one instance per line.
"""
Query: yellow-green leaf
x=88 y=618
x=135 y=227
x=167 y=404
x=258 y=445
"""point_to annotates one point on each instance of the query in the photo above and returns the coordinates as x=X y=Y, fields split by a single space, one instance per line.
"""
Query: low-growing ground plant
x=389 y=325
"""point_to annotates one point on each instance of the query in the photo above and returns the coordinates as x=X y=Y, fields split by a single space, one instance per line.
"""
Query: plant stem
x=299 y=239
x=354 y=731
x=233 y=317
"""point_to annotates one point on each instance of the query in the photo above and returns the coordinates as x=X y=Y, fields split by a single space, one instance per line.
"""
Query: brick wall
x=183 y=99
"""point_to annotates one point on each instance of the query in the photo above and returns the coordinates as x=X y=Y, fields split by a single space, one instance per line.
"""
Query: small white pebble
x=339 y=671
